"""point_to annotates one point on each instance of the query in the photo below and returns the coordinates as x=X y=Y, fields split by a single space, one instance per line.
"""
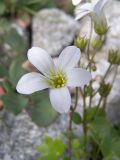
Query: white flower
x=90 y=8
x=76 y=2
x=57 y=77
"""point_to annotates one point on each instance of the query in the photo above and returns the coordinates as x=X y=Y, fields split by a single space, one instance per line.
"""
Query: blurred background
x=49 y=24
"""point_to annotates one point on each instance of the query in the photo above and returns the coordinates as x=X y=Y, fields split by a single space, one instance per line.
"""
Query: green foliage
x=14 y=102
x=7 y=85
x=78 y=148
x=106 y=137
x=15 y=41
x=100 y=24
x=76 y=143
x=42 y=112
x=31 y=6
x=16 y=70
x=4 y=26
x=2 y=8
x=28 y=6
x=3 y=71
x=91 y=113
x=81 y=42
x=11 y=42
x=96 y=42
x=51 y=149
x=76 y=118
x=104 y=89
x=114 y=57
x=88 y=90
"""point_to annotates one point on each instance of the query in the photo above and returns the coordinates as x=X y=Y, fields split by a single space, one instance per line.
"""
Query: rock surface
x=53 y=30
x=19 y=136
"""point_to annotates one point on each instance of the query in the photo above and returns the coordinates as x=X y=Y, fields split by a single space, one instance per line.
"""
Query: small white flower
x=57 y=77
x=76 y=2
x=90 y=8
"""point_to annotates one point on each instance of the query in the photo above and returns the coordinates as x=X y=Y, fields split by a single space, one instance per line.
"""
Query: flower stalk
x=72 y=110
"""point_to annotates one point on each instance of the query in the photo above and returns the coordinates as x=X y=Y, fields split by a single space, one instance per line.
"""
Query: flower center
x=58 y=80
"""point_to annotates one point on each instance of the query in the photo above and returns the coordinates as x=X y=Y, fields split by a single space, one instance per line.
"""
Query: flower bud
x=88 y=90
x=100 y=24
x=96 y=42
x=114 y=57
x=104 y=89
x=93 y=67
x=81 y=42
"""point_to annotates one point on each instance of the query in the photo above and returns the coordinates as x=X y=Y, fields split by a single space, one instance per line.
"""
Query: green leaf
x=52 y=148
x=16 y=41
x=76 y=118
x=2 y=8
x=15 y=103
x=4 y=25
x=76 y=143
x=48 y=157
x=66 y=158
x=112 y=157
x=42 y=112
x=8 y=86
x=91 y=113
x=3 y=71
x=16 y=71
x=106 y=137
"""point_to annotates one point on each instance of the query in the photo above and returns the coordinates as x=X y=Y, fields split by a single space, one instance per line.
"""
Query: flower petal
x=76 y=2
x=85 y=7
x=94 y=2
x=69 y=57
x=31 y=82
x=41 y=60
x=60 y=99
x=99 y=5
x=81 y=15
x=78 y=77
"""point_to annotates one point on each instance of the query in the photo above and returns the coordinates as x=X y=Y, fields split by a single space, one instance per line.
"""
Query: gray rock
x=53 y=30
x=113 y=104
x=19 y=136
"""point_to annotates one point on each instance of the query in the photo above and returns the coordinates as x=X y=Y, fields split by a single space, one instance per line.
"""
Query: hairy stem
x=106 y=72
x=90 y=36
x=70 y=125
x=103 y=78
x=84 y=121
x=113 y=80
x=84 y=124
x=91 y=60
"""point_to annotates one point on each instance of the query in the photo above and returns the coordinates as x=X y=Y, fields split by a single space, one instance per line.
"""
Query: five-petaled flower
x=93 y=8
x=55 y=76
